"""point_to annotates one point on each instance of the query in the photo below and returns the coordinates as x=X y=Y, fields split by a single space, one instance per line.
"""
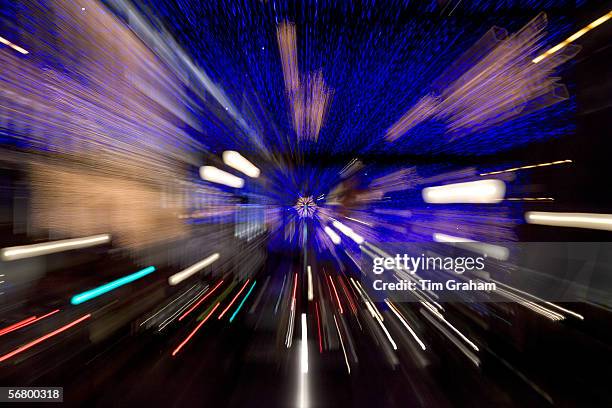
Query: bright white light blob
x=186 y=273
x=348 y=232
x=332 y=234
x=214 y=175
x=240 y=163
x=28 y=251
x=310 y=289
x=473 y=192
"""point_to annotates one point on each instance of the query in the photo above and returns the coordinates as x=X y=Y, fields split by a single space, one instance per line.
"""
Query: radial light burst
x=306 y=207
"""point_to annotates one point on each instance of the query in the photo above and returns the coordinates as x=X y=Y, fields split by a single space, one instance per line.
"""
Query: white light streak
x=473 y=192
x=531 y=166
x=303 y=393
x=289 y=336
x=473 y=357
x=359 y=221
x=401 y=319
x=13 y=46
x=387 y=333
x=28 y=251
x=240 y=163
x=348 y=232
x=332 y=234
x=443 y=319
x=369 y=304
x=189 y=302
x=214 y=175
x=291 y=323
x=555 y=318
x=168 y=305
x=550 y=314
x=348 y=366
x=530 y=199
x=575 y=220
x=186 y=273
x=304 y=346
x=494 y=251
x=310 y=289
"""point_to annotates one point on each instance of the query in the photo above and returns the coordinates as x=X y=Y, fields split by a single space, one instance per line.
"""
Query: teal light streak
x=100 y=290
x=243 y=300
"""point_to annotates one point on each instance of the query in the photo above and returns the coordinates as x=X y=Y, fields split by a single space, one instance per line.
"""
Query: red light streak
x=43 y=338
x=234 y=299
x=336 y=293
x=319 y=328
x=331 y=295
x=26 y=322
x=17 y=325
x=191 y=309
x=348 y=295
x=295 y=287
x=180 y=346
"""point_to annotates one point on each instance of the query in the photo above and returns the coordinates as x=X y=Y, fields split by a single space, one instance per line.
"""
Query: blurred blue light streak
x=100 y=290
